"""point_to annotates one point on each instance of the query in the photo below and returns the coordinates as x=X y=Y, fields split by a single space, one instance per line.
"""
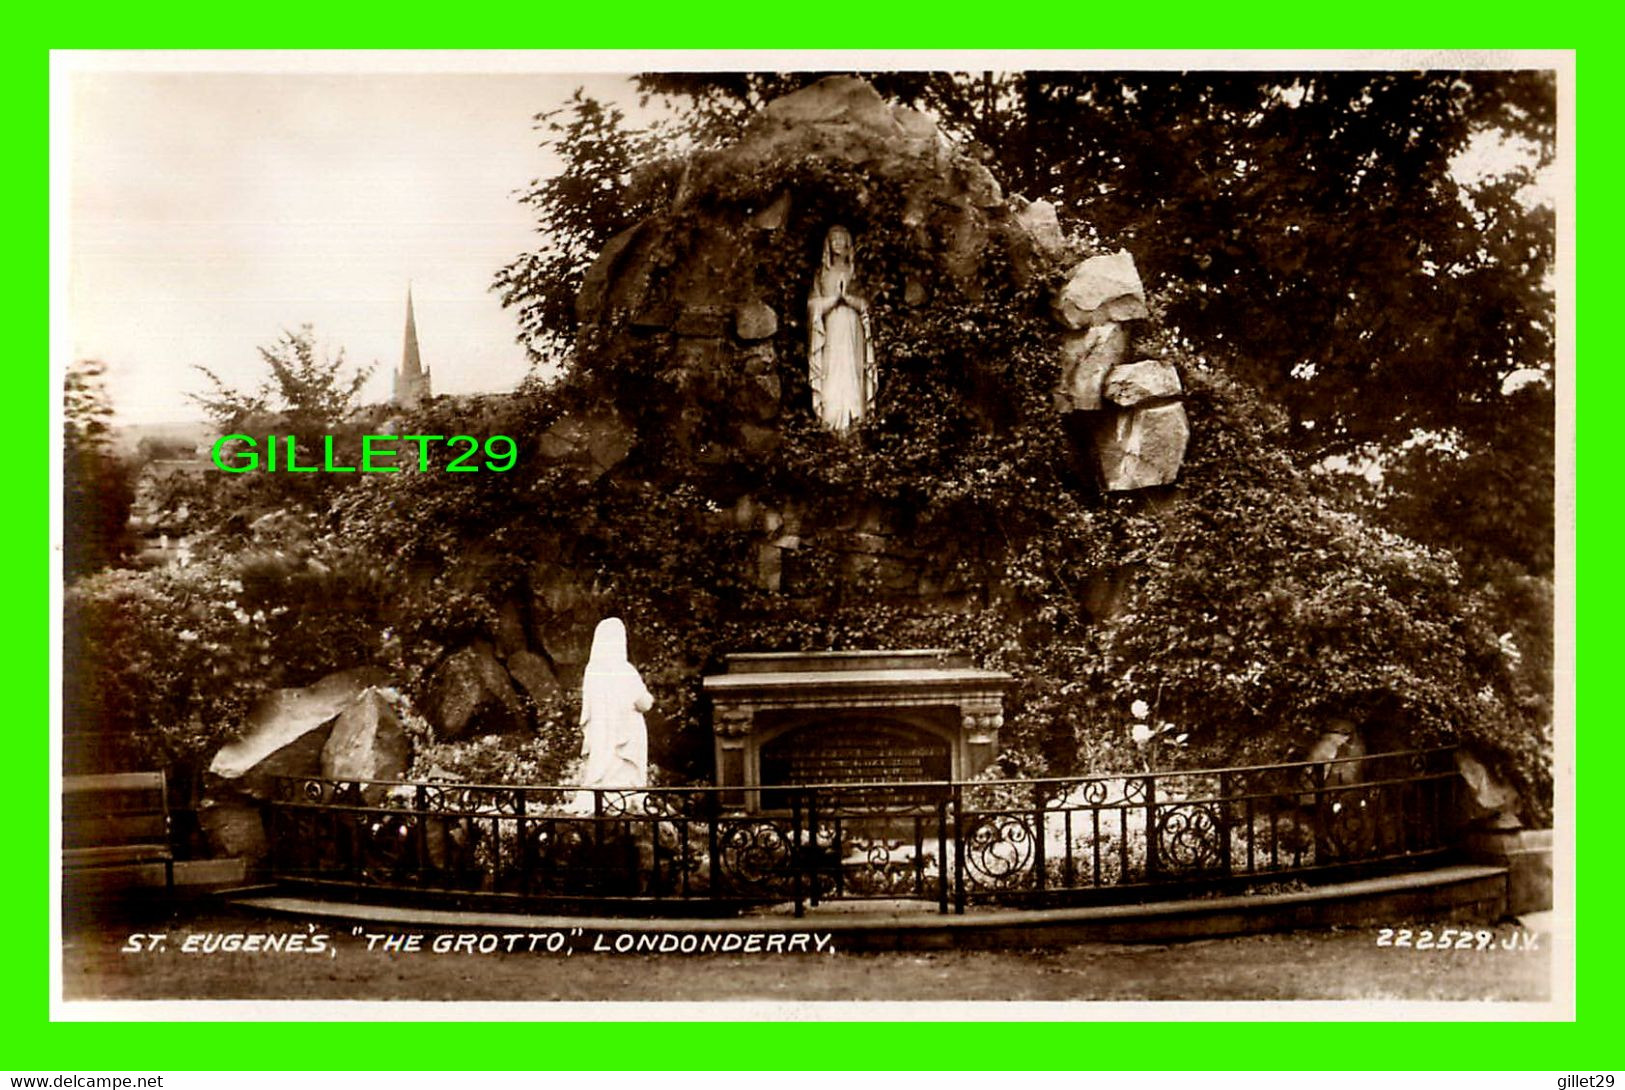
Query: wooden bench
x=117 y=820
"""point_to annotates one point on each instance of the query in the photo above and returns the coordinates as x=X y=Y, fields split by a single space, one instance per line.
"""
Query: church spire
x=412 y=381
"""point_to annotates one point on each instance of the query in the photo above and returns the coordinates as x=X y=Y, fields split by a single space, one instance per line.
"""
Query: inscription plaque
x=858 y=751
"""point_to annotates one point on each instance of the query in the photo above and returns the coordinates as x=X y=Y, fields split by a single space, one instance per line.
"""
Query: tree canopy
x=309 y=393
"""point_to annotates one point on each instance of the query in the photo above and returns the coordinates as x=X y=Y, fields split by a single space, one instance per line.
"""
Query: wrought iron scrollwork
x=753 y=857
x=1188 y=838
x=999 y=852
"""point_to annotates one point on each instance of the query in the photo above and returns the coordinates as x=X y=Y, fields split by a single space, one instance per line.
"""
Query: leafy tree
x=96 y=487
x=305 y=396
x=612 y=178
x=309 y=395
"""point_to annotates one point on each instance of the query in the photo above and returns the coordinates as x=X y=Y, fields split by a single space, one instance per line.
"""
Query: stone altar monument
x=851 y=717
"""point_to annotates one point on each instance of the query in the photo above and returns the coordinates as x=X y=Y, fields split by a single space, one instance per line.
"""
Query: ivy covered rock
x=711 y=293
x=471 y=694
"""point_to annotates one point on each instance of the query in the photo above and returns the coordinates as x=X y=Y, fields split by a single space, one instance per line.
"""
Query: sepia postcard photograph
x=820 y=535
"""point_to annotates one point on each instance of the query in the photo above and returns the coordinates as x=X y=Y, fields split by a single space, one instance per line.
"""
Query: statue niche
x=840 y=350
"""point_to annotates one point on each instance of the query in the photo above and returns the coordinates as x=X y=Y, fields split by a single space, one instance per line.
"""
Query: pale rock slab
x=283 y=718
x=1102 y=289
x=367 y=743
x=1142 y=448
x=1147 y=380
x=1085 y=359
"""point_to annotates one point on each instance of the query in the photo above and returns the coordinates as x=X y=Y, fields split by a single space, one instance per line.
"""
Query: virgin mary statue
x=840 y=353
x=614 y=739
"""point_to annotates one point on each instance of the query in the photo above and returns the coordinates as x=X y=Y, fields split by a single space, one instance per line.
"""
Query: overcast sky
x=207 y=211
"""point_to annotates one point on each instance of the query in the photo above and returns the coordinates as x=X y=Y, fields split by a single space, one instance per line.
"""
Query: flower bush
x=159 y=666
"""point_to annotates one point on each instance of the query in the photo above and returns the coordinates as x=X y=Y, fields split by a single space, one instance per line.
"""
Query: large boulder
x=1142 y=448
x=367 y=743
x=471 y=694
x=286 y=730
x=286 y=734
x=1085 y=360
x=1099 y=289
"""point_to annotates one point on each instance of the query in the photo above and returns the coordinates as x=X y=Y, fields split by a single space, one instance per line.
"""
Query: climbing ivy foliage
x=1260 y=605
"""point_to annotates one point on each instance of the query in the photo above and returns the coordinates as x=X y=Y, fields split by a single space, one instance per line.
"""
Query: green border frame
x=32 y=1042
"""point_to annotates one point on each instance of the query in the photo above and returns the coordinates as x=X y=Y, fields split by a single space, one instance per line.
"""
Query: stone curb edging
x=1461 y=892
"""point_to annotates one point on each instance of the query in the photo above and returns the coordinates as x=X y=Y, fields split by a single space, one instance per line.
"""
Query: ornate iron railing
x=1051 y=841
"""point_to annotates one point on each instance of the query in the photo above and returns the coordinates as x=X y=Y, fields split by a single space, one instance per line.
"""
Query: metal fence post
x=1152 y=865
x=959 y=849
x=1040 y=867
x=1322 y=844
x=1224 y=822
x=797 y=854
